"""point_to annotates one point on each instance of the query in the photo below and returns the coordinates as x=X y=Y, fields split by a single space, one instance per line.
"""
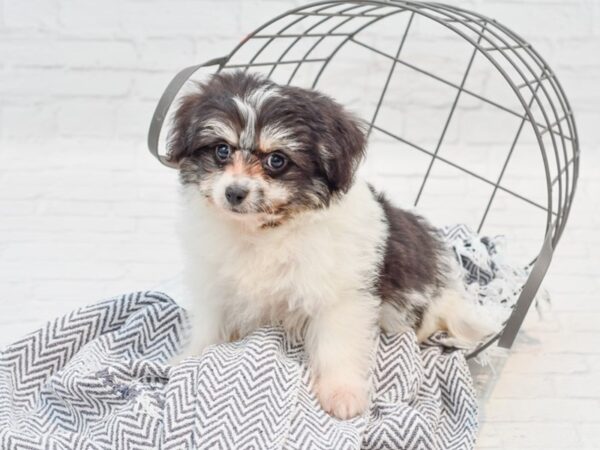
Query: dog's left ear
x=343 y=149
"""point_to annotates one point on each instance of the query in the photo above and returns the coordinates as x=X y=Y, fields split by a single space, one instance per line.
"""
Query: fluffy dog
x=276 y=230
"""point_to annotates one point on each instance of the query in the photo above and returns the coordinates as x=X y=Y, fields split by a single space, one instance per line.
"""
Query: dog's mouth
x=259 y=217
x=260 y=208
x=239 y=211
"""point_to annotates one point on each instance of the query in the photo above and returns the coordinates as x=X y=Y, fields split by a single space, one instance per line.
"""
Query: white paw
x=183 y=355
x=177 y=359
x=342 y=399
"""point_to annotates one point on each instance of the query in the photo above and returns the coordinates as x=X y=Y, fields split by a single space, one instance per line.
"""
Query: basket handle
x=528 y=293
x=165 y=102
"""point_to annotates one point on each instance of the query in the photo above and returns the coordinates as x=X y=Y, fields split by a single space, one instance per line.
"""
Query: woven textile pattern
x=98 y=379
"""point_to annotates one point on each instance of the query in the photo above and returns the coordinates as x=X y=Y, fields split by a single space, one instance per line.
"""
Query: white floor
x=546 y=392
x=70 y=236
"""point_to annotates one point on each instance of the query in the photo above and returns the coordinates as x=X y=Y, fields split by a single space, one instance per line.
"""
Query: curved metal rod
x=325 y=4
x=315 y=25
x=546 y=69
x=483 y=346
x=164 y=104
x=345 y=41
x=531 y=52
x=281 y=30
x=539 y=83
x=410 y=6
x=528 y=293
x=569 y=118
x=310 y=50
x=502 y=51
x=570 y=121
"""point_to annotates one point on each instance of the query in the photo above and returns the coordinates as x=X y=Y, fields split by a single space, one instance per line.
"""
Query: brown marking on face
x=236 y=166
x=264 y=150
x=282 y=211
x=220 y=130
x=249 y=166
x=273 y=138
x=267 y=145
x=255 y=169
x=279 y=208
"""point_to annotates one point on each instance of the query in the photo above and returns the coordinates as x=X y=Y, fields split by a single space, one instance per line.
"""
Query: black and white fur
x=308 y=246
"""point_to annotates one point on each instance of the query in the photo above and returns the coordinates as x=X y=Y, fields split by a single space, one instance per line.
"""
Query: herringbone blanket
x=97 y=379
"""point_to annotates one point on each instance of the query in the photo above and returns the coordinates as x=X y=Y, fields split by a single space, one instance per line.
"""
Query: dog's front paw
x=177 y=359
x=184 y=354
x=342 y=399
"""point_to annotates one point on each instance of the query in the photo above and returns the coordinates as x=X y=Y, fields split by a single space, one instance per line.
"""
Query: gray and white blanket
x=98 y=379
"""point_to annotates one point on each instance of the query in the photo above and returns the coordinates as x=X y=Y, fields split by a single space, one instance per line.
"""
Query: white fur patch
x=260 y=95
x=275 y=136
x=220 y=130
x=249 y=107
x=395 y=320
x=247 y=136
x=452 y=313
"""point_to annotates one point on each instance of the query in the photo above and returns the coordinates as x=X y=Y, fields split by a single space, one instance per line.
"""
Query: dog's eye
x=276 y=161
x=222 y=152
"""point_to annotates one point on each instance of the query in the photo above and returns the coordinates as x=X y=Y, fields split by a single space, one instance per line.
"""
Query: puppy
x=276 y=230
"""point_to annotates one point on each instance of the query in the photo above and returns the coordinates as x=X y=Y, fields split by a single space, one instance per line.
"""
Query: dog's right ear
x=181 y=134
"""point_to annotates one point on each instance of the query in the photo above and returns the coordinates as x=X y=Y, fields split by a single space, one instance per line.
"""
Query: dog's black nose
x=236 y=194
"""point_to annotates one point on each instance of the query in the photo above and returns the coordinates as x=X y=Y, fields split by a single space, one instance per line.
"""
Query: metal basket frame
x=532 y=81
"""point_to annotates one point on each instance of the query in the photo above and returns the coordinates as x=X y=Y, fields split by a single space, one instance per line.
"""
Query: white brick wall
x=61 y=58
x=85 y=212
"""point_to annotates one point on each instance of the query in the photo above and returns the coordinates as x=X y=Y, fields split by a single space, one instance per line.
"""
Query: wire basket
x=434 y=82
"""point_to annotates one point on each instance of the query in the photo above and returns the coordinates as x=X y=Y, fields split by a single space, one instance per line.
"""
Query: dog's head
x=257 y=150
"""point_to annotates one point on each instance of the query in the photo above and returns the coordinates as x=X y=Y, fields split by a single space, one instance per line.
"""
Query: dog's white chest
x=266 y=275
x=278 y=274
